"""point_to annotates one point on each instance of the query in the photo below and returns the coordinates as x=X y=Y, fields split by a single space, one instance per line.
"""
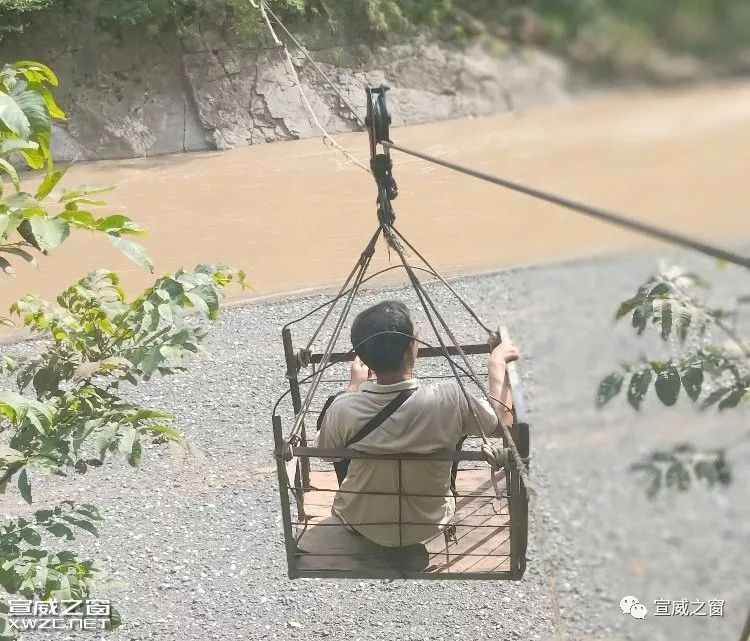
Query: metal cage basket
x=485 y=539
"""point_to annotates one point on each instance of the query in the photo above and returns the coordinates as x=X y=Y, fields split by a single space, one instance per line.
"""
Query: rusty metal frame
x=517 y=500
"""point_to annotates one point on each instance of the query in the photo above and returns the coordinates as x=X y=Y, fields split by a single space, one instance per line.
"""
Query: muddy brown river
x=295 y=216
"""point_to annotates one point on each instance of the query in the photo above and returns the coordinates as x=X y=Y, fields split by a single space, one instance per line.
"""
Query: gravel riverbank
x=193 y=544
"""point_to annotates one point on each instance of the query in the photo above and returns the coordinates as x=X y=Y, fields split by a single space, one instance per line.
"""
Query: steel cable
x=582 y=208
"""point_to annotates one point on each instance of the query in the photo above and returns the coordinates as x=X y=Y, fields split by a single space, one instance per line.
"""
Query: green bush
x=679 y=25
x=65 y=413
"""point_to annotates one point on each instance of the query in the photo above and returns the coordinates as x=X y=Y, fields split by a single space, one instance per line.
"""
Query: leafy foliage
x=681 y=467
x=710 y=373
x=27 y=108
x=98 y=341
x=31 y=570
x=667 y=304
x=38 y=222
x=68 y=414
x=76 y=418
x=689 y=25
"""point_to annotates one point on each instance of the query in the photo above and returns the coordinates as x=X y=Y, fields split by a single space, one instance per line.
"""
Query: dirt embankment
x=131 y=94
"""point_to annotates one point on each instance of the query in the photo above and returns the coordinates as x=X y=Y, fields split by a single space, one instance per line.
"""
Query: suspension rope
x=328 y=140
x=427 y=270
x=363 y=263
x=433 y=271
x=342 y=292
x=315 y=65
x=493 y=456
x=582 y=208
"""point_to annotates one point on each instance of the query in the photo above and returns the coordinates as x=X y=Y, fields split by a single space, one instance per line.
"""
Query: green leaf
x=17 y=251
x=49 y=232
x=706 y=470
x=723 y=471
x=200 y=304
x=654 y=485
x=211 y=297
x=715 y=396
x=133 y=251
x=23 y=486
x=79 y=218
x=104 y=438
x=115 y=619
x=31 y=536
x=667 y=385
x=638 y=387
x=43 y=515
x=126 y=441
x=60 y=531
x=71 y=195
x=118 y=223
x=10 y=145
x=150 y=361
x=13 y=117
x=165 y=311
x=23 y=201
x=50 y=180
x=662 y=457
x=43 y=70
x=666 y=319
x=82 y=524
x=660 y=290
x=135 y=454
x=8 y=223
x=11 y=171
x=641 y=314
x=677 y=476
x=684 y=318
x=34 y=157
x=6 y=266
x=33 y=107
x=52 y=106
x=86 y=370
x=692 y=381
x=733 y=398
x=628 y=306
x=609 y=388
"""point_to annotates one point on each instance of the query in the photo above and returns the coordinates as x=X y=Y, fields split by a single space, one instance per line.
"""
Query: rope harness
x=498 y=458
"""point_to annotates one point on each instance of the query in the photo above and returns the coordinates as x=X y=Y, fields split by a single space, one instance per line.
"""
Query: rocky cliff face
x=138 y=95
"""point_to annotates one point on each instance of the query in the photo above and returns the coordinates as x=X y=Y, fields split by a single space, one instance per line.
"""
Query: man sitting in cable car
x=385 y=410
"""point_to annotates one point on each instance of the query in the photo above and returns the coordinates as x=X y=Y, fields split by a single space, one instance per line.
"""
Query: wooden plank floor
x=481 y=545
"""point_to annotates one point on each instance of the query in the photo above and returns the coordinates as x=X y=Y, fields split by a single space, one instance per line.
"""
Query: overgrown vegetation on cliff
x=599 y=29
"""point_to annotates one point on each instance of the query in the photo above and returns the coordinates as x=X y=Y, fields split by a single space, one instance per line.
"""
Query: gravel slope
x=193 y=540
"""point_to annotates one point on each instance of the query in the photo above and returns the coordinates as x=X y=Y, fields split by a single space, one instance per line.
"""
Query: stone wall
x=134 y=94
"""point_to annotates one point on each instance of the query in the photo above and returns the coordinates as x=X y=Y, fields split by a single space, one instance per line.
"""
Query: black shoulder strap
x=376 y=421
x=327 y=404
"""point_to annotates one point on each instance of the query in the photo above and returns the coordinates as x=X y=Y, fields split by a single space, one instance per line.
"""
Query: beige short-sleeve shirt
x=433 y=418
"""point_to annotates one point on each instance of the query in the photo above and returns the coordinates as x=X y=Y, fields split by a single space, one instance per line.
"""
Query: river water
x=295 y=215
